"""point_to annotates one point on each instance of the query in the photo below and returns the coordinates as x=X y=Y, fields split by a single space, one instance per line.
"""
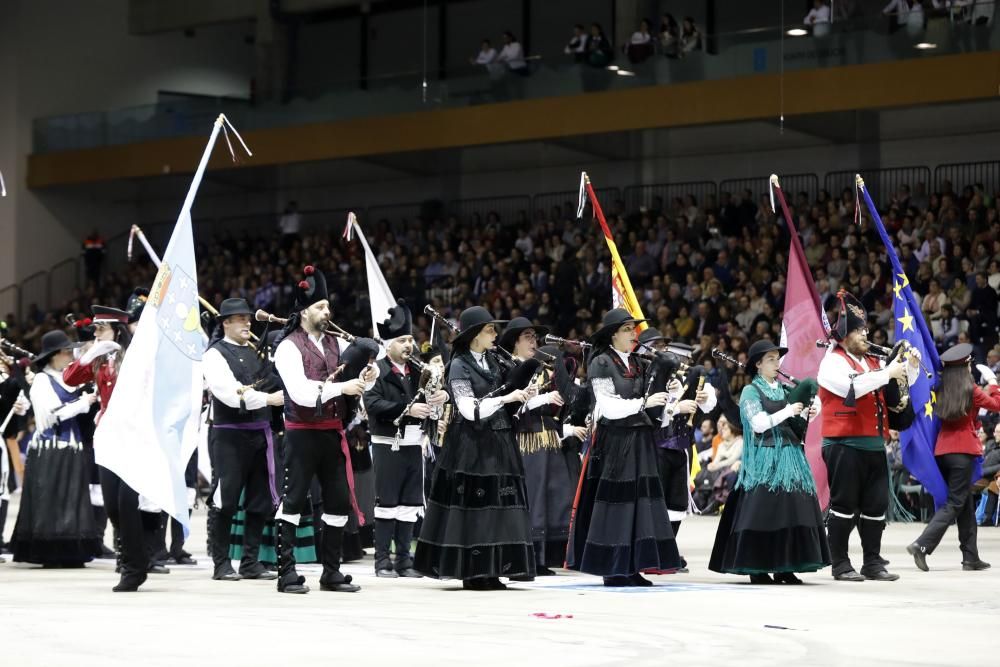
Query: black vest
x=247 y=368
x=629 y=382
x=481 y=382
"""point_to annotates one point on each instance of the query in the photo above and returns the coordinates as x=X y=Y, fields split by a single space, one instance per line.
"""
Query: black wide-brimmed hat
x=613 y=320
x=515 y=328
x=957 y=355
x=757 y=352
x=399 y=322
x=851 y=316
x=136 y=302
x=53 y=342
x=471 y=322
x=234 y=306
x=108 y=315
x=651 y=335
x=311 y=289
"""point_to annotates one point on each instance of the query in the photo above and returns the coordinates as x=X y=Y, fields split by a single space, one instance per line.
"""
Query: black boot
x=177 y=552
x=150 y=538
x=332 y=578
x=289 y=580
x=871 y=546
x=220 y=547
x=250 y=565
x=384 y=529
x=350 y=546
x=838 y=530
x=101 y=519
x=404 y=560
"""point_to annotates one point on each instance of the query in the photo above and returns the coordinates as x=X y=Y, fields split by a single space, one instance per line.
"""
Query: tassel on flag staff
x=622 y=295
x=917 y=441
x=151 y=426
x=803 y=323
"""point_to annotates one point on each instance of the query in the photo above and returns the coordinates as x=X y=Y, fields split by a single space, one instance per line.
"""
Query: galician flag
x=150 y=428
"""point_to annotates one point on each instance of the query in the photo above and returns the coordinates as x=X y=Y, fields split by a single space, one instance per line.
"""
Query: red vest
x=865 y=419
x=317 y=367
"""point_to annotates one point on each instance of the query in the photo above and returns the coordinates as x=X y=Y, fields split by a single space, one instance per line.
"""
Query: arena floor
x=944 y=617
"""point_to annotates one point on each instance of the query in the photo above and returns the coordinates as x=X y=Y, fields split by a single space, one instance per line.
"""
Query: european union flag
x=918 y=440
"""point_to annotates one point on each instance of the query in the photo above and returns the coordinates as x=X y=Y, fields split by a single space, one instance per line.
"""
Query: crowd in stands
x=709 y=273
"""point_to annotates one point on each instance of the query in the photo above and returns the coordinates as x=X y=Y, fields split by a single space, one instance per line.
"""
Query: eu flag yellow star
x=933 y=396
x=928 y=410
x=897 y=288
x=906 y=281
x=906 y=320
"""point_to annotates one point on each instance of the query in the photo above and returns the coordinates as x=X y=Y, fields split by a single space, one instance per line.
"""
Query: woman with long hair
x=99 y=365
x=621 y=525
x=771 y=522
x=958 y=446
x=476 y=527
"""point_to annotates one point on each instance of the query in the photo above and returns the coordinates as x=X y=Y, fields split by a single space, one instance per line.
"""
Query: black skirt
x=476 y=522
x=55 y=522
x=552 y=475
x=621 y=524
x=764 y=531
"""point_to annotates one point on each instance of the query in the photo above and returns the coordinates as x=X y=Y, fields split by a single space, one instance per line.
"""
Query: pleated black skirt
x=476 y=522
x=621 y=524
x=764 y=531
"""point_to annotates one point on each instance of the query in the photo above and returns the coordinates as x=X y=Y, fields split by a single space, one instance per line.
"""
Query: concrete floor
x=944 y=617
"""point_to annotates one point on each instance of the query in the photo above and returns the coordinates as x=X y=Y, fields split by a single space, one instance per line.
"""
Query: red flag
x=803 y=324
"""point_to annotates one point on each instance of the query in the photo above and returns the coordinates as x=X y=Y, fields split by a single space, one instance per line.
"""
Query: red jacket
x=959 y=436
x=77 y=374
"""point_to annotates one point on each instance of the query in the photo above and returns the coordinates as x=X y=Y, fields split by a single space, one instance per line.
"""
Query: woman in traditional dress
x=477 y=527
x=55 y=522
x=772 y=522
x=621 y=525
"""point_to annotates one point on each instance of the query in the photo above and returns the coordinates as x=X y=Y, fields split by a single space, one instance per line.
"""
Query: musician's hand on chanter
x=420 y=410
x=580 y=432
x=897 y=370
x=674 y=387
x=353 y=387
x=687 y=407
x=555 y=398
x=440 y=397
x=700 y=396
x=99 y=349
x=796 y=408
x=276 y=399
x=657 y=400
x=531 y=390
x=369 y=374
x=516 y=396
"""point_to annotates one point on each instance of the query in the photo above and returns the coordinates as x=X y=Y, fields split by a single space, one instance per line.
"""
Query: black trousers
x=311 y=453
x=859 y=496
x=960 y=508
x=122 y=506
x=239 y=462
x=672 y=467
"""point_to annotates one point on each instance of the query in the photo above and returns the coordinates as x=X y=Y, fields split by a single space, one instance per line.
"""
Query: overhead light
x=926 y=45
x=613 y=68
x=625 y=72
x=797 y=32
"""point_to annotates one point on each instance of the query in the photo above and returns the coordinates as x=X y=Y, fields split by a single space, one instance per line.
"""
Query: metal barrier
x=399 y=216
x=659 y=196
x=63 y=279
x=882 y=184
x=330 y=221
x=791 y=185
x=10 y=301
x=563 y=204
x=512 y=210
x=34 y=291
x=970 y=173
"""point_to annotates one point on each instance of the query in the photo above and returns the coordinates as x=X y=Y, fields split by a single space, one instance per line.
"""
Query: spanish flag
x=622 y=295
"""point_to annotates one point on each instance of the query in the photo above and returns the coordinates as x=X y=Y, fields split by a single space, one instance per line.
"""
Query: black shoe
x=919 y=554
x=521 y=578
x=409 y=573
x=477 y=584
x=185 y=560
x=224 y=572
x=130 y=583
x=880 y=575
x=494 y=584
x=639 y=580
x=618 y=582
x=158 y=568
x=850 y=575
x=761 y=579
x=336 y=582
x=294 y=584
x=542 y=571
x=787 y=578
x=386 y=572
x=970 y=566
x=256 y=571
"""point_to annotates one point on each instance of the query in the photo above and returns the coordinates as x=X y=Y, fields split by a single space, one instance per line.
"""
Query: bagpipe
x=896 y=392
x=798 y=391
